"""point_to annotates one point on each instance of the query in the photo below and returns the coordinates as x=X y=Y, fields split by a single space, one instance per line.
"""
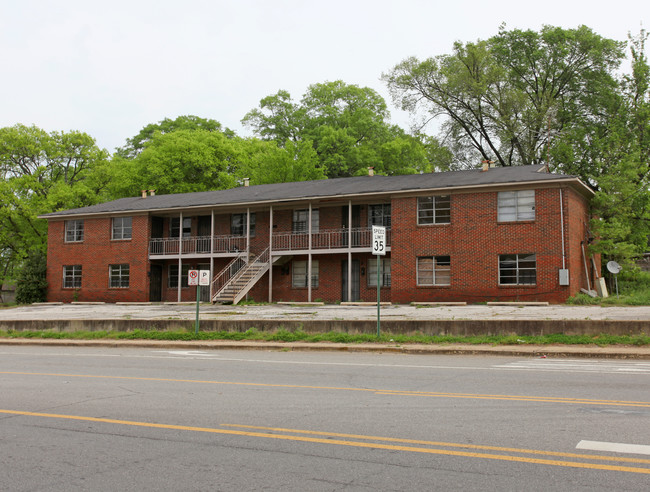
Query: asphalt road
x=74 y=418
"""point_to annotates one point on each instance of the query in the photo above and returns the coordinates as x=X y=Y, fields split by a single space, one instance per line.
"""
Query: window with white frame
x=299 y=274
x=72 y=276
x=514 y=206
x=379 y=215
x=174 y=226
x=74 y=231
x=518 y=269
x=434 y=209
x=238 y=224
x=122 y=228
x=118 y=276
x=172 y=277
x=434 y=270
x=301 y=220
x=384 y=280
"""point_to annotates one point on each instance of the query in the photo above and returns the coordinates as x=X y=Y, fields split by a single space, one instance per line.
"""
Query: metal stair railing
x=221 y=281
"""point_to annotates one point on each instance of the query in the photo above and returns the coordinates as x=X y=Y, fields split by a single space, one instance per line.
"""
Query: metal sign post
x=193 y=279
x=378 y=249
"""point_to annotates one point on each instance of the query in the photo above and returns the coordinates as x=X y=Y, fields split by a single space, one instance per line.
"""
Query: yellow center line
x=446 y=444
x=339 y=442
x=541 y=399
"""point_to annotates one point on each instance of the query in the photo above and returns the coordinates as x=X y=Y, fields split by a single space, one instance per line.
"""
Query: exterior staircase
x=239 y=276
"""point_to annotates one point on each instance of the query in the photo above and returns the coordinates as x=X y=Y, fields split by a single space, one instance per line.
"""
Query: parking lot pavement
x=51 y=311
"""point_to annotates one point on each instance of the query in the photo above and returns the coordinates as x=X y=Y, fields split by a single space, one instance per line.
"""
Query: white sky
x=108 y=68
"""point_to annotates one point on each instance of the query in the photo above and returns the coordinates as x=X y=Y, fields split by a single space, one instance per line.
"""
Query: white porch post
x=309 y=257
x=248 y=235
x=349 y=250
x=271 y=253
x=180 y=252
x=211 y=251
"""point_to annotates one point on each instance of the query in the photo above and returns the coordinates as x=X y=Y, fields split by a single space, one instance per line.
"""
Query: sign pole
x=379 y=249
x=378 y=296
x=198 y=295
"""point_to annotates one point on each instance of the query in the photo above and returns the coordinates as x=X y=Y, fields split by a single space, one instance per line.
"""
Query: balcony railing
x=197 y=244
x=329 y=239
x=284 y=241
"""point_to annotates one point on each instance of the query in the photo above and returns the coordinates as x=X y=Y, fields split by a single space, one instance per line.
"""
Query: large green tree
x=348 y=127
x=503 y=98
x=43 y=172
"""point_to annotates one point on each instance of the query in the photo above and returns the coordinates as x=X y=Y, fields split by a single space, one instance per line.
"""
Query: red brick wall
x=474 y=240
x=95 y=254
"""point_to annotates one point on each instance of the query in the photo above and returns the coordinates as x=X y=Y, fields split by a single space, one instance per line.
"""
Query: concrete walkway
x=87 y=311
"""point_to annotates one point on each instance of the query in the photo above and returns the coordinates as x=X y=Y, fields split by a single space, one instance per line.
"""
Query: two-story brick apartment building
x=510 y=233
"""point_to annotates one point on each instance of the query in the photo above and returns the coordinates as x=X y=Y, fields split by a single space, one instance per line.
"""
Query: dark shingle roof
x=340 y=187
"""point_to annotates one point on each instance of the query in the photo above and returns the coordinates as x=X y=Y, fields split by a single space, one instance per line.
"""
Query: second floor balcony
x=333 y=241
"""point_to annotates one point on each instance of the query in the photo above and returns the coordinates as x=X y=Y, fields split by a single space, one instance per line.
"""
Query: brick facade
x=472 y=241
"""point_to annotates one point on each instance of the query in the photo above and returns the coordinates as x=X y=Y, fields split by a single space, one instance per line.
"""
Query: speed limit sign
x=378 y=240
x=193 y=277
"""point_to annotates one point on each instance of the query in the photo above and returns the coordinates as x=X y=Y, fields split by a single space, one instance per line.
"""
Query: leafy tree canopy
x=347 y=126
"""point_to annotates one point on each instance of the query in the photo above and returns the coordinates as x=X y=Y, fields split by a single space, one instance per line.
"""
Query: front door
x=356 y=285
x=204 y=228
x=155 y=283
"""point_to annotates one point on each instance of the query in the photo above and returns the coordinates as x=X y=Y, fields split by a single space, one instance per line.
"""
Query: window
x=121 y=228
x=299 y=274
x=174 y=225
x=301 y=220
x=385 y=273
x=238 y=224
x=434 y=210
x=173 y=275
x=517 y=269
x=379 y=215
x=72 y=276
x=74 y=231
x=118 y=276
x=434 y=270
x=516 y=205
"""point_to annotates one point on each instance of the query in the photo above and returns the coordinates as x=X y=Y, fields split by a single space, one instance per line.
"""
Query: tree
x=43 y=172
x=266 y=162
x=502 y=99
x=347 y=126
x=136 y=144
x=179 y=161
x=31 y=283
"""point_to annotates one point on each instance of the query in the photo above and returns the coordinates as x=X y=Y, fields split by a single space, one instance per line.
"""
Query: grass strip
x=283 y=335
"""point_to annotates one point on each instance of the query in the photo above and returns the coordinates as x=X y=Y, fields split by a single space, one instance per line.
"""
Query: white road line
x=614 y=447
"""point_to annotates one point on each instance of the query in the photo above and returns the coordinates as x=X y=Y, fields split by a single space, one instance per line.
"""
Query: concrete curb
x=557 y=351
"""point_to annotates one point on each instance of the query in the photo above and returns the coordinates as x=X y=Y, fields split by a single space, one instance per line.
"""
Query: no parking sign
x=193 y=277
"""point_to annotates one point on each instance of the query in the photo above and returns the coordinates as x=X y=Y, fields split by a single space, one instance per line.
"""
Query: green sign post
x=198 y=278
x=379 y=249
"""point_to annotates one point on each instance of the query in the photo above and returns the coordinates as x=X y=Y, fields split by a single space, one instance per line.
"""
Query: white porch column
x=211 y=251
x=349 y=250
x=180 y=252
x=271 y=253
x=309 y=257
x=248 y=235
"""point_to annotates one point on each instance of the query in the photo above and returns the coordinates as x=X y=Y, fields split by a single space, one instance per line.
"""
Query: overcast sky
x=108 y=68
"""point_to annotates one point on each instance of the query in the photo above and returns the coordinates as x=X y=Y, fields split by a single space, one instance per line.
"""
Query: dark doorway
x=356 y=285
x=157 y=227
x=155 y=283
x=204 y=230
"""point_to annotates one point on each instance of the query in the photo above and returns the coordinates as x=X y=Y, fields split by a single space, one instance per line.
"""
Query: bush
x=31 y=283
